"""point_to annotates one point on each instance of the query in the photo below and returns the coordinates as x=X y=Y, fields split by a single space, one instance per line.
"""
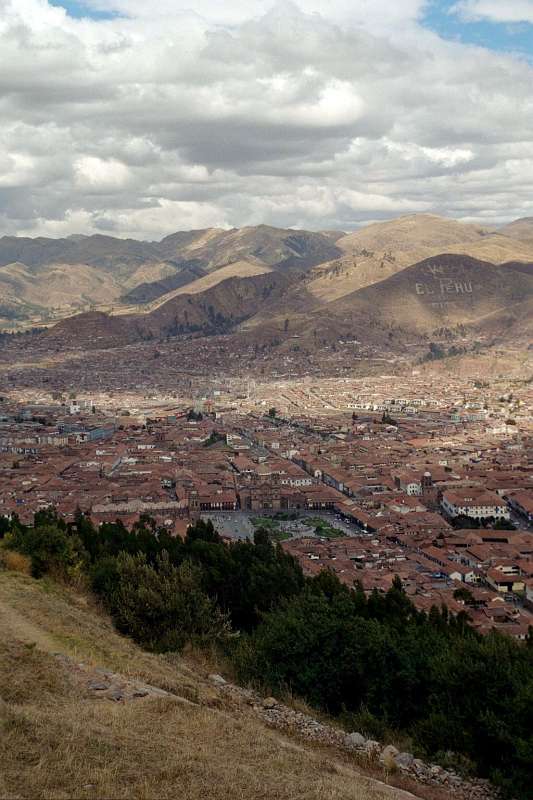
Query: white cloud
x=368 y=13
x=238 y=113
x=167 y=216
x=496 y=10
x=98 y=173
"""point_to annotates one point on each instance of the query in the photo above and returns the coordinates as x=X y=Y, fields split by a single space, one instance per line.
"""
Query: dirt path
x=19 y=627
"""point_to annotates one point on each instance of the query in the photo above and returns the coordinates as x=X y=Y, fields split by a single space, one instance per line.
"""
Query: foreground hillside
x=374 y=664
x=61 y=740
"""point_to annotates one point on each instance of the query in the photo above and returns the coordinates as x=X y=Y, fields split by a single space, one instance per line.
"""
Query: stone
x=355 y=739
x=372 y=748
x=388 y=755
x=140 y=693
x=98 y=686
x=116 y=695
x=404 y=760
x=101 y=671
x=270 y=702
x=218 y=680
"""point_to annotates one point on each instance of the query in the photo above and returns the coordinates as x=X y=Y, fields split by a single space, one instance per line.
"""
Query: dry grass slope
x=239 y=269
x=60 y=742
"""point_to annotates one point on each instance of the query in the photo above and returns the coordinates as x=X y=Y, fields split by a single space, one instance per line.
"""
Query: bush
x=50 y=548
x=105 y=577
x=5 y=526
x=15 y=562
x=163 y=607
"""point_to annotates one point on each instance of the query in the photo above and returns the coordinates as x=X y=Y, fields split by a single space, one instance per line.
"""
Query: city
x=433 y=484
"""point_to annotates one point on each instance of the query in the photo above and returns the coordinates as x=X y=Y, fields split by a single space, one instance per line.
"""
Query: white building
x=476 y=505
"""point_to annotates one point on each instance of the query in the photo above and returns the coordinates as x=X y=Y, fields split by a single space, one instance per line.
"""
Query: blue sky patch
x=503 y=37
x=80 y=10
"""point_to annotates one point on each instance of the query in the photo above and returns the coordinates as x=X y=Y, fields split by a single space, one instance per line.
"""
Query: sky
x=123 y=119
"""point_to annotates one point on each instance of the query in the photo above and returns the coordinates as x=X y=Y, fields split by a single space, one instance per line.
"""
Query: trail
x=16 y=624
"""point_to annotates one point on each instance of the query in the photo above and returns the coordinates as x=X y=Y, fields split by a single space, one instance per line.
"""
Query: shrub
x=51 y=549
x=15 y=562
x=163 y=607
x=105 y=577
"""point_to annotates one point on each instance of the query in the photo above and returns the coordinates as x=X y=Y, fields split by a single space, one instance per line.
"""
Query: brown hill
x=215 y=281
x=383 y=249
x=449 y=296
x=521 y=229
x=199 y=284
x=93 y=330
x=217 y=309
x=45 y=278
x=102 y=251
x=512 y=325
x=445 y=290
x=406 y=234
x=149 y=291
x=274 y=247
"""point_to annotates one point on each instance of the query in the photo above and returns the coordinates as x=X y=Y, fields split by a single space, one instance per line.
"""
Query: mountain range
x=404 y=279
x=44 y=279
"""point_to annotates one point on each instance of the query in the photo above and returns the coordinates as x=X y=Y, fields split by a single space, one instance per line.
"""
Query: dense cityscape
x=430 y=483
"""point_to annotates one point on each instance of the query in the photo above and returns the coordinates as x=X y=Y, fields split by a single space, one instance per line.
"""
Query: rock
x=101 y=671
x=270 y=702
x=404 y=760
x=140 y=693
x=388 y=755
x=116 y=695
x=218 y=680
x=98 y=686
x=372 y=748
x=355 y=740
x=154 y=690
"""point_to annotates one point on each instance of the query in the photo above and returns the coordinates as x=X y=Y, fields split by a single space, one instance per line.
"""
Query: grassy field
x=273 y=526
x=276 y=526
x=59 y=742
x=323 y=528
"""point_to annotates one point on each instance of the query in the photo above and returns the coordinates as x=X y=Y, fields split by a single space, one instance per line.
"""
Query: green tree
x=464 y=594
x=163 y=607
x=51 y=549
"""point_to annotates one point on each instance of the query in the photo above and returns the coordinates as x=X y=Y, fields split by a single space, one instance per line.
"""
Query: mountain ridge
x=125 y=277
x=442 y=292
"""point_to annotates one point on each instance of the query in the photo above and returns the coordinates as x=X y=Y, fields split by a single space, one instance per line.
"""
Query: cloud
x=238 y=113
x=367 y=13
x=495 y=10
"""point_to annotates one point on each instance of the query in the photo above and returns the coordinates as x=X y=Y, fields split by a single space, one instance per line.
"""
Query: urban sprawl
x=431 y=480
